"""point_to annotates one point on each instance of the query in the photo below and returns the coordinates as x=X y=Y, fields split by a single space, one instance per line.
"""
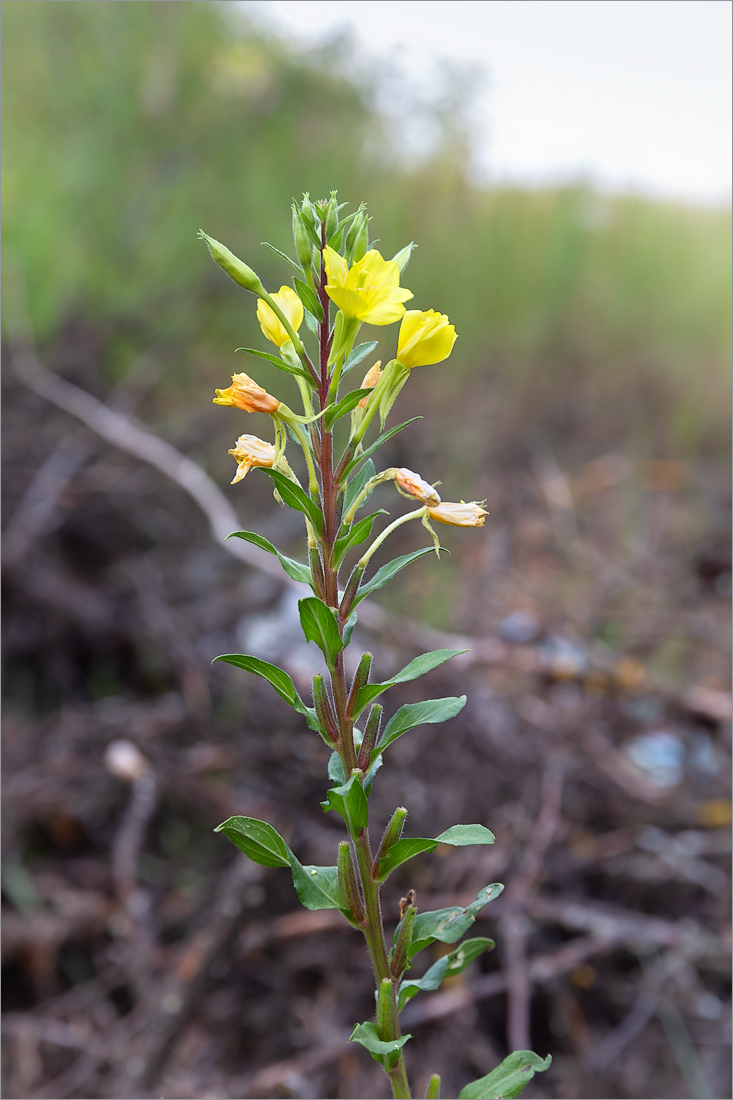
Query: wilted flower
x=251 y=451
x=244 y=393
x=271 y=325
x=415 y=486
x=425 y=337
x=369 y=290
x=369 y=381
x=459 y=515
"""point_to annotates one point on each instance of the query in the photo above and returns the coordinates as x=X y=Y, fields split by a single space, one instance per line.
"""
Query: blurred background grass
x=126 y=126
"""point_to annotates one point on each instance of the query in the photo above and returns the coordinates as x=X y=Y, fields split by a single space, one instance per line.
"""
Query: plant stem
x=323 y=452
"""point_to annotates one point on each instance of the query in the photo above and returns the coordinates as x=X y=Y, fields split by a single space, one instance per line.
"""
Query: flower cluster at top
x=336 y=267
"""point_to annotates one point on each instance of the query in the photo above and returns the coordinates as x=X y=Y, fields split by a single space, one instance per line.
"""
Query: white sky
x=630 y=94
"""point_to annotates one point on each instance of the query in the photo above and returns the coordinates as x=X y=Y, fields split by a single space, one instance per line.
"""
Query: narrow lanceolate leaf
x=345 y=405
x=294 y=497
x=351 y=802
x=418 y=714
x=355 y=535
x=293 y=568
x=256 y=839
x=508 y=1079
x=319 y=626
x=448 y=925
x=356 y=484
x=317 y=887
x=378 y=443
x=449 y=966
x=279 y=363
x=426 y=662
x=368 y=1036
x=460 y=836
x=359 y=353
x=309 y=299
x=280 y=680
x=283 y=256
x=388 y=571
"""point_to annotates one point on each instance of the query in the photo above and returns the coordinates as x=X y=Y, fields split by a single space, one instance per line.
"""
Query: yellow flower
x=459 y=515
x=245 y=394
x=413 y=484
x=369 y=290
x=250 y=451
x=425 y=337
x=369 y=381
x=271 y=325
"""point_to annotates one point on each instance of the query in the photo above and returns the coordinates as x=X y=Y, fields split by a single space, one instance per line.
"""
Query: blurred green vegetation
x=128 y=126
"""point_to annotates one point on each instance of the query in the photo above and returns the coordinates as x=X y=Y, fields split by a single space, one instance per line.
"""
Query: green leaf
x=378 y=443
x=360 y=352
x=356 y=484
x=368 y=1036
x=418 y=714
x=295 y=497
x=349 y=628
x=293 y=568
x=336 y=769
x=351 y=802
x=309 y=299
x=280 y=680
x=283 y=256
x=449 y=966
x=388 y=571
x=317 y=887
x=256 y=839
x=508 y=1079
x=354 y=536
x=345 y=405
x=311 y=323
x=279 y=363
x=460 y=836
x=426 y=662
x=448 y=925
x=319 y=626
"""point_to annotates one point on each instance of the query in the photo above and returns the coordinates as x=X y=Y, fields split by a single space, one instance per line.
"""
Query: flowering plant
x=336 y=268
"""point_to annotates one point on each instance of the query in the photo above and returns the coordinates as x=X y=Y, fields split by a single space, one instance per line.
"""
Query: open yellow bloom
x=425 y=337
x=244 y=393
x=369 y=381
x=459 y=515
x=413 y=484
x=272 y=326
x=369 y=290
x=251 y=451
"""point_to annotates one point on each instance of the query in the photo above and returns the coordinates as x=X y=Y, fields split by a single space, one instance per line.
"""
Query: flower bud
x=403 y=256
x=348 y=886
x=233 y=266
x=398 y=961
x=332 y=217
x=386 y=1010
x=459 y=515
x=352 y=587
x=433 y=1089
x=361 y=242
x=324 y=710
x=369 y=740
x=244 y=393
x=361 y=677
x=355 y=229
x=392 y=834
x=414 y=486
x=301 y=240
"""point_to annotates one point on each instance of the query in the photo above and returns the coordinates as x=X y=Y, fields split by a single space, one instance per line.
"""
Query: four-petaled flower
x=244 y=393
x=425 y=337
x=271 y=325
x=370 y=290
x=413 y=484
x=459 y=515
